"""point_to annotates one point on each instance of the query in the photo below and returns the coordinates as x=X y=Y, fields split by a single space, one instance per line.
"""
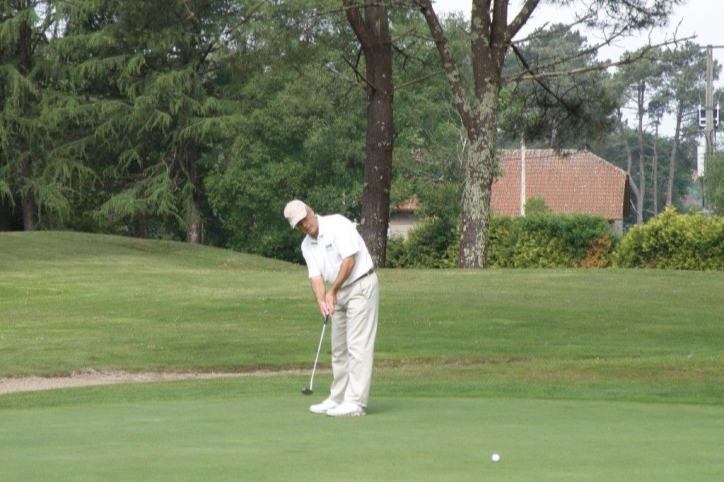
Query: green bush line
x=669 y=241
x=674 y=241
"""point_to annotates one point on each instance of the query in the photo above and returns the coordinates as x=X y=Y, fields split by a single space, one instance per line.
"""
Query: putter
x=310 y=389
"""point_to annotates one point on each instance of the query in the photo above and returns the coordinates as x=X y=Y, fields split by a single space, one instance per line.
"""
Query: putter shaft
x=310 y=390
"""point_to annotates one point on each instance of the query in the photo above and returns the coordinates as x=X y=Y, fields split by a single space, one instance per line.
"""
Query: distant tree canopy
x=201 y=123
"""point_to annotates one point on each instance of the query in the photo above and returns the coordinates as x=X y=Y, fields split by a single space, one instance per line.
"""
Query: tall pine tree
x=146 y=85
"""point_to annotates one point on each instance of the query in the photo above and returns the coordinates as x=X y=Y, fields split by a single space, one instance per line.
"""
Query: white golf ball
x=495 y=458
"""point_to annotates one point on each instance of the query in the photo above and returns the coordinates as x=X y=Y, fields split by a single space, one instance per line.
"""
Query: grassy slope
x=73 y=301
x=463 y=361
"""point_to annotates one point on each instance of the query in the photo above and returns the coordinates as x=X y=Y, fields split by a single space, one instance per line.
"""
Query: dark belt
x=364 y=275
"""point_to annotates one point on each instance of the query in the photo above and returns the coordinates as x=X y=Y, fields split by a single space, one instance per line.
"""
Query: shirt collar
x=322 y=226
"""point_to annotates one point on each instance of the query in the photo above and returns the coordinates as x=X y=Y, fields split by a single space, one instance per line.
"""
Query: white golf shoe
x=346 y=409
x=324 y=407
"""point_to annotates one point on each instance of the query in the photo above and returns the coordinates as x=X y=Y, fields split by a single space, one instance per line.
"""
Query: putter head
x=307 y=391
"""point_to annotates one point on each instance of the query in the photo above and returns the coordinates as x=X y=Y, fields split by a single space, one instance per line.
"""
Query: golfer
x=346 y=288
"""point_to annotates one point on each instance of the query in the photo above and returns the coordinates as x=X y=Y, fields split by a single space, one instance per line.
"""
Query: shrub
x=543 y=241
x=674 y=241
x=430 y=244
x=598 y=255
x=551 y=241
x=536 y=206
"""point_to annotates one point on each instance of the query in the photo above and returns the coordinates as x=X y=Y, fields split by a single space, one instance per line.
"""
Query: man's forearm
x=318 y=288
x=344 y=272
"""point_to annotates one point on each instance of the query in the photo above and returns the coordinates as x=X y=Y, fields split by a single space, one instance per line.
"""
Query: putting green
x=401 y=439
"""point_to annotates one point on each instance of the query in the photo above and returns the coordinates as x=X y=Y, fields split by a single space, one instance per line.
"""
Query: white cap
x=295 y=211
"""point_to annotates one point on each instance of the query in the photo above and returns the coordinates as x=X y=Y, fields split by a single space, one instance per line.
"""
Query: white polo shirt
x=337 y=239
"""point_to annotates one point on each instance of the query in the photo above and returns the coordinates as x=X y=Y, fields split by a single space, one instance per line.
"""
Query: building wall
x=400 y=224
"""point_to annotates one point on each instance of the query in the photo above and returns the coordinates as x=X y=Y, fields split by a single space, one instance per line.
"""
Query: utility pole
x=709 y=116
x=709 y=104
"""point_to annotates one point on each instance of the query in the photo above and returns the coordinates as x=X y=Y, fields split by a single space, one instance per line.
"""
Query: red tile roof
x=569 y=181
x=408 y=206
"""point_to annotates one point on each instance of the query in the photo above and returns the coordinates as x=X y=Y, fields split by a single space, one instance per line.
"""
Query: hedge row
x=541 y=241
x=431 y=244
x=674 y=241
x=550 y=241
x=669 y=241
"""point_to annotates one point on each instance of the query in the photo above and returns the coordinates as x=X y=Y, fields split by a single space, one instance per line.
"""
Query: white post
x=709 y=106
x=522 y=176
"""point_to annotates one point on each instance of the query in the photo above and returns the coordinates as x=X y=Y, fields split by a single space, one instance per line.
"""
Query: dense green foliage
x=669 y=241
x=539 y=241
x=675 y=241
x=201 y=123
x=571 y=106
x=298 y=140
x=431 y=244
x=551 y=241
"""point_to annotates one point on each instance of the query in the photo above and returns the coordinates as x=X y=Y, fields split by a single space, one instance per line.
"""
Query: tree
x=156 y=88
x=491 y=38
x=29 y=171
x=371 y=26
x=430 y=141
x=643 y=86
x=19 y=39
x=300 y=135
x=559 y=111
x=684 y=82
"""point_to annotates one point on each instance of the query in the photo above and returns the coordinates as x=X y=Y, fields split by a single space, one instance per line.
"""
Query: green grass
x=420 y=439
x=568 y=374
x=70 y=302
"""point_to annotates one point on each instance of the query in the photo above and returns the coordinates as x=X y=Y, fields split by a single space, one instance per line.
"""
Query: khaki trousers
x=354 y=327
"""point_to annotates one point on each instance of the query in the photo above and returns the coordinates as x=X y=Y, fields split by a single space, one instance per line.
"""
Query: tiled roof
x=408 y=206
x=569 y=181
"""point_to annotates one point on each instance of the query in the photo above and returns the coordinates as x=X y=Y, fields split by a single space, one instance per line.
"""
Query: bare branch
x=539 y=80
x=330 y=66
x=358 y=73
x=247 y=18
x=403 y=35
x=191 y=15
x=416 y=81
x=630 y=58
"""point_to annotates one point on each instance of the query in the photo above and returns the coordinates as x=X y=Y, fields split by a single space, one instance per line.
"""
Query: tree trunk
x=674 y=152
x=142 y=229
x=5 y=215
x=629 y=157
x=479 y=172
x=655 y=173
x=25 y=64
x=642 y=168
x=30 y=221
x=373 y=33
x=194 y=227
x=490 y=40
